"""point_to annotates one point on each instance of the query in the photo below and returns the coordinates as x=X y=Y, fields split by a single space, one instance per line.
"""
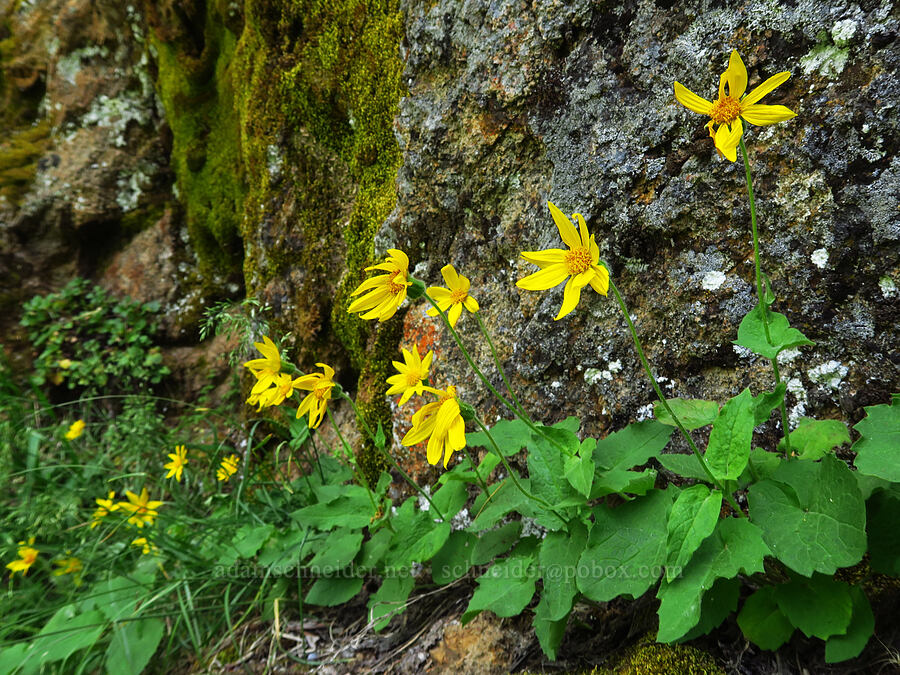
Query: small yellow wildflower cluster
x=28 y=555
x=141 y=509
x=228 y=467
x=273 y=387
x=176 y=466
x=75 y=430
x=440 y=422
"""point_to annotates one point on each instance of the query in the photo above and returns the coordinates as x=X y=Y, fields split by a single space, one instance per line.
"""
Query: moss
x=321 y=82
x=652 y=658
x=196 y=86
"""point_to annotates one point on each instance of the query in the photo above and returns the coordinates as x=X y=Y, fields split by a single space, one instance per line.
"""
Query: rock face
x=290 y=144
x=512 y=104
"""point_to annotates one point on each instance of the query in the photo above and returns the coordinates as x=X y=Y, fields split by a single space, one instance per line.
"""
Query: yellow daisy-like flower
x=386 y=292
x=453 y=298
x=104 y=508
x=27 y=557
x=282 y=388
x=411 y=375
x=581 y=263
x=228 y=467
x=65 y=364
x=75 y=430
x=441 y=423
x=176 y=466
x=319 y=387
x=730 y=108
x=142 y=510
x=266 y=369
x=70 y=565
x=145 y=546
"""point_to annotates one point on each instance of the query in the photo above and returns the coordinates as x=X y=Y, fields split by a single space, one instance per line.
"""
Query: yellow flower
x=265 y=369
x=104 y=508
x=319 y=387
x=142 y=510
x=581 y=263
x=144 y=545
x=452 y=298
x=65 y=364
x=70 y=565
x=441 y=423
x=386 y=292
x=75 y=430
x=728 y=110
x=228 y=467
x=27 y=557
x=282 y=388
x=176 y=466
x=411 y=375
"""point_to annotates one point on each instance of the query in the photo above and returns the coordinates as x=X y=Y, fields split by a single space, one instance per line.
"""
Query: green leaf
x=67 y=631
x=350 y=507
x=626 y=549
x=417 y=537
x=374 y=548
x=686 y=466
x=249 y=538
x=692 y=413
x=549 y=632
x=717 y=605
x=336 y=552
x=632 y=446
x=450 y=498
x=500 y=500
x=559 y=556
x=730 y=438
x=766 y=402
x=494 y=543
x=813 y=438
x=762 y=622
x=878 y=448
x=120 y=595
x=510 y=435
x=818 y=606
x=616 y=454
x=752 y=334
x=390 y=599
x=454 y=560
x=735 y=546
x=546 y=465
x=812 y=515
x=283 y=547
x=882 y=518
x=692 y=519
x=580 y=473
x=333 y=591
x=762 y=464
x=861 y=628
x=506 y=587
x=19 y=658
x=132 y=645
x=379 y=439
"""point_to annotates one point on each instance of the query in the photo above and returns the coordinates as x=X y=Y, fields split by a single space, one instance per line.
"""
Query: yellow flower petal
x=736 y=76
x=762 y=115
x=549 y=256
x=567 y=230
x=691 y=101
x=727 y=139
x=765 y=88
x=546 y=278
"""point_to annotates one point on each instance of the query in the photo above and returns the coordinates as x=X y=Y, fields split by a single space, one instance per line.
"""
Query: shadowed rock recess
x=282 y=146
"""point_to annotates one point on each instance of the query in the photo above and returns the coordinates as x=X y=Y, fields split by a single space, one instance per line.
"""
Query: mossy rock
x=653 y=658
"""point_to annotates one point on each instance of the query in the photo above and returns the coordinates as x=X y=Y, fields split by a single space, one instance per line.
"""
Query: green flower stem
x=312 y=439
x=390 y=458
x=359 y=475
x=760 y=291
x=509 y=470
x=475 y=469
x=465 y=352
x=662 y=399
x=512 y=394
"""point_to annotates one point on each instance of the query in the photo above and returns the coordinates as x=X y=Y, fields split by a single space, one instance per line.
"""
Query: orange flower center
x=450 y=393
x=578 y=260
x=321 y=391
x=725 y=110
x=413 y=377
x=393 y=286
x=458 y=295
